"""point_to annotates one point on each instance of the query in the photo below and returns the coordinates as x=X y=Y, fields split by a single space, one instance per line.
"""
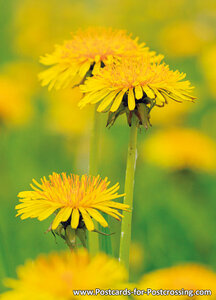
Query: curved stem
x=93 y=238
x=125 y=238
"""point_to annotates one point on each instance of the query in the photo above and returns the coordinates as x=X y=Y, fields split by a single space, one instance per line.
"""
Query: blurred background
x=40 y=132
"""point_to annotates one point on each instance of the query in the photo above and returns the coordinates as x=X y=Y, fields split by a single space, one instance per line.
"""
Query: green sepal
x=143 y=114
x=70 y=236
x=81 y=234
x=60 y=231
x=112 y=116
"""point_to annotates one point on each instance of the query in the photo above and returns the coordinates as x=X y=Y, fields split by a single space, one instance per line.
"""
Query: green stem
x=94 y=144
x=93 y=239
x=125 y=238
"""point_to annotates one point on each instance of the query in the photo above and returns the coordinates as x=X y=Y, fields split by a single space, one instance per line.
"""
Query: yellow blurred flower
x=13 y=106
x=187 y=277
x=23 y=71
x=184 y=38
x=133 y=84
x=180 y=148
x=148 y=12
x=18 y=85
x=33 y=37
x=56 y=276
x=88 y=50
x=208 y=62
x=64 y=116
x=76 y=200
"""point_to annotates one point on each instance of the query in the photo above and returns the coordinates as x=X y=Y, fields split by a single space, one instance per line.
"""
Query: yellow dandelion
x=88 y=50
x=180 y=148
x=183 y=277
x=134 y=82
x=75 y=200
x=57 y=276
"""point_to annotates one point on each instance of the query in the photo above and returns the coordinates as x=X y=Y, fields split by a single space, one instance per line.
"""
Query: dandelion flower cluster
x=132 y=82
x=88 y=50
x=74 y=199
x=127 y=77
x=56 y=276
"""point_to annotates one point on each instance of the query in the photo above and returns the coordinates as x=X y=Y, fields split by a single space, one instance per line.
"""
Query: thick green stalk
x=125 y=238
x=93 y=238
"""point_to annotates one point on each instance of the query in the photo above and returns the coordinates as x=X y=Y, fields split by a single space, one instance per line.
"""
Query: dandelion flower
x=181 y=148
x=56 y=276
x=187 y=277
x=135 y=84
x=75 y=200
x=88 y=50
